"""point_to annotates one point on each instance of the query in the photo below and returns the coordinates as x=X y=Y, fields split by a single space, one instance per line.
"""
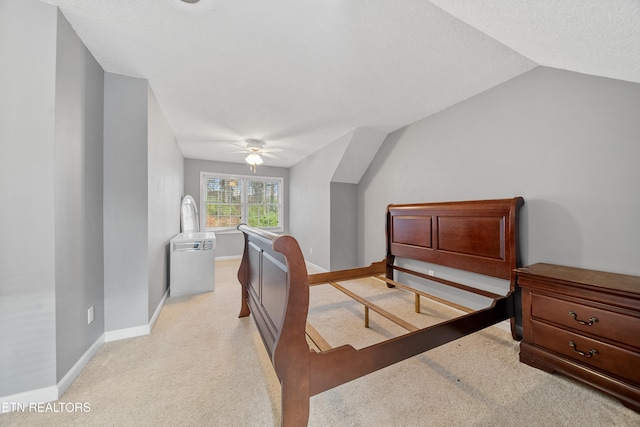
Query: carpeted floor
x=203 y=366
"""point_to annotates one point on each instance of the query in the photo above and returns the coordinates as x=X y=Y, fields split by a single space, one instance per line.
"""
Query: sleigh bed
x=475 y=236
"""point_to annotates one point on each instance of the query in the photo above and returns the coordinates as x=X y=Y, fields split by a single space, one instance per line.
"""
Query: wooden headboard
x=478 y=236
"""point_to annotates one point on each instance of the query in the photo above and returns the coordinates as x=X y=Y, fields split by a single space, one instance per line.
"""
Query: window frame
x=243 y=179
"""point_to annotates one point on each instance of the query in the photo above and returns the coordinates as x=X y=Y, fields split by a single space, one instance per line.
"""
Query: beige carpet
x=202 y=366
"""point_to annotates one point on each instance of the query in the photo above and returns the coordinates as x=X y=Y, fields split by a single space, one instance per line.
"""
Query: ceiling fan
x=255 y=148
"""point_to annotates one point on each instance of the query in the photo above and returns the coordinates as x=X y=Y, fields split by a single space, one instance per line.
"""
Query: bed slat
x=424 y=294
x=317 y=339
x=381 y=311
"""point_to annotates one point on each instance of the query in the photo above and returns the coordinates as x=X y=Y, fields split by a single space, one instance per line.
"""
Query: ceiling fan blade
x=270 y=150
x=238 y=144
x=273 y=156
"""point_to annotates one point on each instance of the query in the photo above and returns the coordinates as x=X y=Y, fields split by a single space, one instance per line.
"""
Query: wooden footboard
x=478 y=236
x=275 y=290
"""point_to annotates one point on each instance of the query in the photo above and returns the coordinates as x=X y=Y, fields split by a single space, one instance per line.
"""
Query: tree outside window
x=232 y=200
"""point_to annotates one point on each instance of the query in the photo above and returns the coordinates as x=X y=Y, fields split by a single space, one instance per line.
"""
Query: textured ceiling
x=587 y=36
x=302 y=73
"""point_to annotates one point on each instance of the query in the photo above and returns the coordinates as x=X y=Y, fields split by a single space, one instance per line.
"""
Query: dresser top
x=582 y=277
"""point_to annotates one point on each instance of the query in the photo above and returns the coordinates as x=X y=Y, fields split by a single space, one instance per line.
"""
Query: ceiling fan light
x=254 y=159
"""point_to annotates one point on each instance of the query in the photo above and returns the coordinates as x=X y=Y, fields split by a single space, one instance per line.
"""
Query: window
x=229 y=200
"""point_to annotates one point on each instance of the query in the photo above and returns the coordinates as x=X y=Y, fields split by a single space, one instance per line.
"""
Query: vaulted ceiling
x=302 y=73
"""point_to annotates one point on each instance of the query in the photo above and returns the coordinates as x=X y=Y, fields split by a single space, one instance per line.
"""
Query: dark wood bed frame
x=476 y=236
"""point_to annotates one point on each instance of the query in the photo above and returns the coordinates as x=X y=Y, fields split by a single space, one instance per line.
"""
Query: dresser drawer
x=612 y=326
x=617 y=361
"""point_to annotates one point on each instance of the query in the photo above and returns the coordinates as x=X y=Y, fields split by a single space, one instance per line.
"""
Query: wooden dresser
x=584 y=324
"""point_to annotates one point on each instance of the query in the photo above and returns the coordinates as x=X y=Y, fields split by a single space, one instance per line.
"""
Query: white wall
x=567 y=142
x=27 y=264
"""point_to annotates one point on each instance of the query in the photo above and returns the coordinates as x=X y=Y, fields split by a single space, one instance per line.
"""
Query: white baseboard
x=310 y=264
x=73 y=373
x=158 y=310
x=226 y=258
x=316 y=267
x=122 y=334
x=137 y=331
x=505 y=325
x=51 y=393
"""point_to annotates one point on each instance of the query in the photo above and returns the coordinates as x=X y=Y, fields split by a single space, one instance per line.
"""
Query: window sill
x=236 y=231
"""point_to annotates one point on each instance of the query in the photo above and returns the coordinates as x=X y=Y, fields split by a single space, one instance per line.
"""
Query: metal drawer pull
x=582 y=322
x=582 y=353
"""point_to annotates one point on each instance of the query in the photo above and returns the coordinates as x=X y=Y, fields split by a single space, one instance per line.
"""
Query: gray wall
x=568 y=143
x=52 y=255
x=143 y=186
x=310 y=201
x=344 y=226
x=78 y=198
x=165 y=188
x=126 y=275
x=27 y=263
x=73 y=205
x=230 y=244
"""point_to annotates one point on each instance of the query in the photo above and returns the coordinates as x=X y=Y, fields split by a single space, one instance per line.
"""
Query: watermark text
x=48 y=407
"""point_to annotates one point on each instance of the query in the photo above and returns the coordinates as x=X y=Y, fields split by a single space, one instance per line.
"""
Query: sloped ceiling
x=595 y=37
x=302 y=73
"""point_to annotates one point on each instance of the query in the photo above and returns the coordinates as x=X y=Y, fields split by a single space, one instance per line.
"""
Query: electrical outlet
x=310 y=251
x=432 y=273
x=90 y=315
